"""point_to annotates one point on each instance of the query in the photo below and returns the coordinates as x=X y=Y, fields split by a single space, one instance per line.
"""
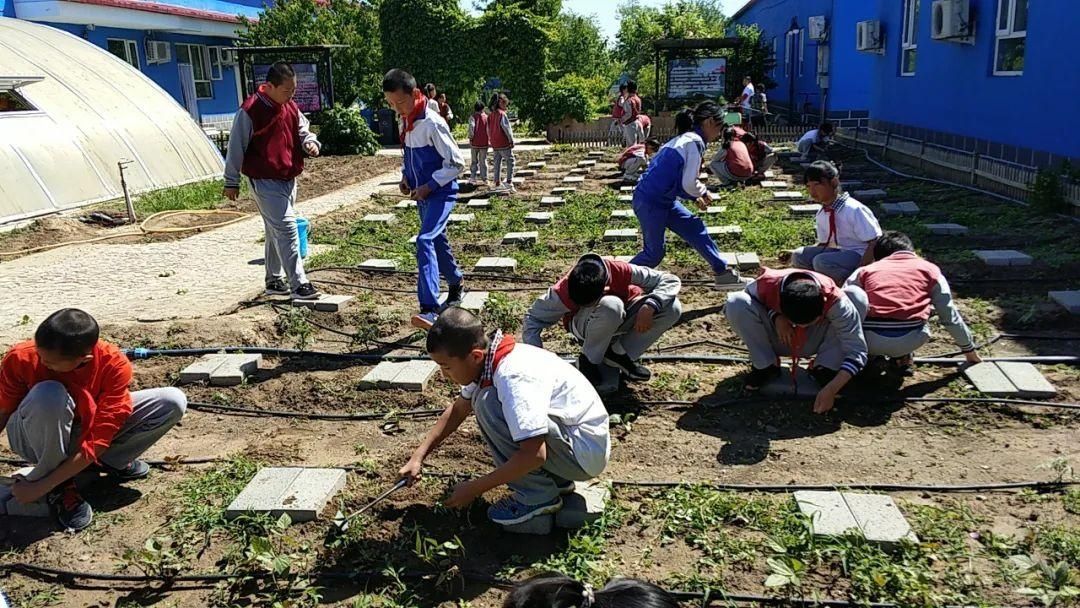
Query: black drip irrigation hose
x=353 y=336
x=1040 y=486
x=249 y=411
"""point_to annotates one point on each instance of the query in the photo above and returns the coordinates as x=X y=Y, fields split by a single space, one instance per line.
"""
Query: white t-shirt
x=855 y=225
x=748 y=95
x=433 y=106
x=810 y=137
x=535 y=387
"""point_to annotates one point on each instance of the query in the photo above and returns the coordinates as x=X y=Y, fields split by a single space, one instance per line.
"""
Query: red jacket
x=496 y=137
x=99 y=389
x=769 y=283
x=480 y=131
x=618 y=285
x=276 y=150
x=635 y=109
x=632 y=151
x=898 y=287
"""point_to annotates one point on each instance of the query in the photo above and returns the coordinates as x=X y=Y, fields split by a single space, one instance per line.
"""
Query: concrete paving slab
x=461 y=218
x=872 y=194
x=947 y=229
x=380 y=218
x=828 y=512
x=378 y=264
x=774 y=184
x=494 y=264
x=904 y=208
x=539 y=164
x=541 y=525
x=573 y=179
x=514 y=238
x=715 y=209
x=849 y=185
x=990 y=380
x=879 y=518
x=621 y=234
x=719 y=230
x=479 y=203
x=300 y=493
x=382 y=375
x=518 y=181
x=1027 y=379
x=586 y=163
x=474 y=301
x=622 y=213
x=626 y=198
x=200 y=370
x=563 y=190
x=780 y=386
x=584 y=506
x=539 y=217
x=414 y=375
x=1003 y=257
x=804 y=209
x=788 y=195
x=525 y=173
x=552 y=201
x=234 y=369
x=626 y=189
x=324 y=303
x=1069 y=300
x=405 y=204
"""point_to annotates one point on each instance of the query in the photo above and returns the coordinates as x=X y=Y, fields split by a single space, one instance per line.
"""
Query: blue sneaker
x=508 y=511
x=424 y=320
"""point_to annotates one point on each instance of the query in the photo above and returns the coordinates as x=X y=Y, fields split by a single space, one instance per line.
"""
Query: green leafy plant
x=1050 y=584
x=1046 y=191
x=157 y=557
x=503 y=312
x=344 y=131
x=293 y=323
x=785 y=572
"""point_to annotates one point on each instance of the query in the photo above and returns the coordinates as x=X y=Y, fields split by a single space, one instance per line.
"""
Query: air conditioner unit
x=868 y=37
x=228 y=56
x=951 y=20
x=817 y=28
x=158 y=51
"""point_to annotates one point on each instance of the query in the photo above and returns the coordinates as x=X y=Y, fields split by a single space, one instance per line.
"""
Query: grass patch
x=193 y=196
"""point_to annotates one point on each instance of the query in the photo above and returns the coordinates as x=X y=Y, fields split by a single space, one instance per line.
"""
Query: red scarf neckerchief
x=831 y=212
x=498 y=349
x=798 y=341
x=409 y=122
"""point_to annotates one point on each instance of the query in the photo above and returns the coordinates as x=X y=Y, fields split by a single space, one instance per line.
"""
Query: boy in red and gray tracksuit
x=501 y=138
x=899 y=289
x=478 y=143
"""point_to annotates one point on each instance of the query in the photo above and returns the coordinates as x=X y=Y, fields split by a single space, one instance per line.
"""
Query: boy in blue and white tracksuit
x=432 y=163
x=673 y=174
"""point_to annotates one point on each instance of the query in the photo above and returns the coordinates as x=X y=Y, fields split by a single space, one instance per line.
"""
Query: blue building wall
x=953 y=98
x=7 y=8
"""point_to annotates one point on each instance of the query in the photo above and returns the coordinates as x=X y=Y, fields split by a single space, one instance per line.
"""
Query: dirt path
x=199 y=276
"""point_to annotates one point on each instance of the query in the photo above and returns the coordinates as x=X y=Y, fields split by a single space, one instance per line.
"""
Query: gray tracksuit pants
x=539 y=486
x=837 y=264
x=506 y=154
x=43 y=429
x=895 y=344
x=598 y=327
x=478 y=170
x=275 y=199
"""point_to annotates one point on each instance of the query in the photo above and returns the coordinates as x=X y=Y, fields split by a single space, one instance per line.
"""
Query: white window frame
x=787 y=53
x=794 y=43
x=214 y=53
x=772 y=72
x=204 y=53
x=131 y=50
x=1008 y=33
x=910 y=39
x=802 y=50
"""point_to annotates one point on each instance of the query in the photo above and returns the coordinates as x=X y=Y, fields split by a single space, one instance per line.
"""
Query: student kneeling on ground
x=542 y=421
x=895 y=295
x=615 y=309
x=814 y=144
x=65 y=402
x=799 y=313
x=846 y=228
x=634 y=159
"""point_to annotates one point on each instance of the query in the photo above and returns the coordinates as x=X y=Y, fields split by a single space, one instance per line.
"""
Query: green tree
x=544 y=8
x=515 y=47
x=641 y=26
x=357 y=68
x=752 y=57
x=579 y=48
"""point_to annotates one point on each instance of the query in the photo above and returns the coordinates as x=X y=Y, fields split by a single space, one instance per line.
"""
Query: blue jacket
x=432 y=156
x=673 y=171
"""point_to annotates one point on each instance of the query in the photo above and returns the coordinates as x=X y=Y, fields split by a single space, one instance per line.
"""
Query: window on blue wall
x=215 y=62
x=772 y=70
x=1011 y=37
x=198 y=57
x=909 y=41
x=124 y=49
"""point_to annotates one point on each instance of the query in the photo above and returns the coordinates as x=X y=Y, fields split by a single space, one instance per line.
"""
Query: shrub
x=344 y=131
x=568 y=97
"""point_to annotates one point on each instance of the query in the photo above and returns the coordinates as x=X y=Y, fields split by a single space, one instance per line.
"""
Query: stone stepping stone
x=552 y=201
x=718 y=230
x=770 y=174
x=805 y=386
x=584 y=506
x=586 y=163
x=596 y=154
x=525 y=172
x=406 y=375
x=300 y=493
x=715 y=210
x=621 y=234
x=1003 y=257
x=1009 y=379
x=539 y=217
x=516 y=238
x=622 y=213
x=875 y=516
x=573 y=179
x=579 y=172
x=873 y=194
x=479 y=203
x=518 y=181
x=626 y=198
x=14 y=508
x=380 y=218
x=1069 y=300
x=536 y=165
x=412 y=239
x=563 y=190
x=474 y=301
x=774 y=184
x=378 y=264
x=850 y=185
x=324 y=303
x=626 y=188
x=804 y=209
x=221 y=369
x=405 y=204
x=461 y=218
x=947 y=229
x=493 y=264
x=541 y=525
x=788 y=154
x=743 y=260
x=904 y=208
x=788 y=195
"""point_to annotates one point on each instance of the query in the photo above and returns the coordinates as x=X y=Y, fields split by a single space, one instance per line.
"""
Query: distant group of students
x=627 y=118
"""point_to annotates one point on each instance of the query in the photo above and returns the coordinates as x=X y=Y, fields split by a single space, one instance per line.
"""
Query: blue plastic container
x=302 y=230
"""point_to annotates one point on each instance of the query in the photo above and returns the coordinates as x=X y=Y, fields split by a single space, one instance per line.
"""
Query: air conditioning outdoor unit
x=951 y=20
x=228 y=56
x=817 y=27
x=158 y=51
x=868 y=37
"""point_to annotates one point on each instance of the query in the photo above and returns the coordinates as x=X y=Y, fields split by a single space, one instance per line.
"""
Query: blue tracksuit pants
x=655 y=217
x=433 y=255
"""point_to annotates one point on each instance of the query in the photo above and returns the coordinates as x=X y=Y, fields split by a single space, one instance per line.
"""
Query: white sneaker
x=726 y=280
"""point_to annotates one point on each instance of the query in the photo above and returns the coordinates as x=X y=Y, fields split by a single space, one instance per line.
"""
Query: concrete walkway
x=202 y=275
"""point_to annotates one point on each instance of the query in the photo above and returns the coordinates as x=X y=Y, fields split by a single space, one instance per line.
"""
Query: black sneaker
x=630 y=368
x=453 y=296
x=136 y=469
x=68 y=506
x=760 y=377
x=277 y=287
x=590 y=370
x=306 y=291
x=822 y=375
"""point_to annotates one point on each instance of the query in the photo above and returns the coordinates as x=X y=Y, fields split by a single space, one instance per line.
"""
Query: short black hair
x=586 y=281
x=456 y=333
x=478 y=106
x=429 y=88
x=622 y=87
x=398 y=80
x=800 y=299
x=826 y=128
x=631 y=86
x=653 y=143
x=279 y=72
x=890 y=242
x=553 y=590
x=68 y=332
x=820 y=171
